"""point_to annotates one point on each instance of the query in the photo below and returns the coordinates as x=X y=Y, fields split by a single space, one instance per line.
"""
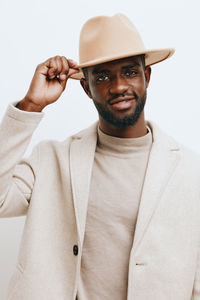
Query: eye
x=102 y=78
x=130 y=73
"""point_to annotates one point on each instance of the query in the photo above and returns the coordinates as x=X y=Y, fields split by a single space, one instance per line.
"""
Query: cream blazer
x=51 y=188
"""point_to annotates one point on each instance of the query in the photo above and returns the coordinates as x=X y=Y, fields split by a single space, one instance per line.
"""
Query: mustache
x=115 y=96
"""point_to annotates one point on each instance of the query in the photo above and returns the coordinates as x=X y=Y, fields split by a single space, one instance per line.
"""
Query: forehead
x=116 y=64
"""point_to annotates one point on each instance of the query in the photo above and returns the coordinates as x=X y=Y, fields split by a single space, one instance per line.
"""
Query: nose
x=118 y=85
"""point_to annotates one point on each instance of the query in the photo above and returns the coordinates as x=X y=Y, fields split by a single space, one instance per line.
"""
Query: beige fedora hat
x=104 y=39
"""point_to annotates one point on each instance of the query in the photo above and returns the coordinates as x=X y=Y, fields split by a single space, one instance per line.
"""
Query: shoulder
x=49 y=146
x=165 y=141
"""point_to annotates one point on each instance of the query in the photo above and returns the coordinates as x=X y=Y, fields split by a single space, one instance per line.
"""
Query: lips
x=122 y=103
x=121 y=99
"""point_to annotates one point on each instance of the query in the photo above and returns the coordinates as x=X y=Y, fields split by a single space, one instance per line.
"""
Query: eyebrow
x=131 y=66
x=106 y=71
x=100 y=71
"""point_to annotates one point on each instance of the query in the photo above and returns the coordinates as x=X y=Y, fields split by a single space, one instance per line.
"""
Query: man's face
x=118 y=90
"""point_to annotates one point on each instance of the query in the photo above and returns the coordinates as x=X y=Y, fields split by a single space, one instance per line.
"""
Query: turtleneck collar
x=116 y=146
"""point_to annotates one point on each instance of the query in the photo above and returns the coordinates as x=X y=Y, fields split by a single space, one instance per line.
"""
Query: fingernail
x=63 y=76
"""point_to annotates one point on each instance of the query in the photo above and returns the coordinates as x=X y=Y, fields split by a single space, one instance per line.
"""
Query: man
x=113 y=212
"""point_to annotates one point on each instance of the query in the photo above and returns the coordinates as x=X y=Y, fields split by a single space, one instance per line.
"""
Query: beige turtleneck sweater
x=115 y=192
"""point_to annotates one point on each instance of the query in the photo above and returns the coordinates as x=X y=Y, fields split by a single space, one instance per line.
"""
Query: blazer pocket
x=14 y=281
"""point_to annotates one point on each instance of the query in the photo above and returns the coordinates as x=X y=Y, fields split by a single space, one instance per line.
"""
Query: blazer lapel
x=163 y=160
x=82 y=153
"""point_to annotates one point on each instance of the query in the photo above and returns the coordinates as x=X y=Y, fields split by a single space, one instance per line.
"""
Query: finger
x=63 y=78
x=53 y=66
x=73 y=71
x=72 y=64
x=73 y=67
x=64 y=75
x=59 y=65
x=58 y=61
x=65 y=69
x=69 y=68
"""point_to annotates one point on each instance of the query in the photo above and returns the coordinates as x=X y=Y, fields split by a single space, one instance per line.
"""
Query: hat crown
x=105 y=37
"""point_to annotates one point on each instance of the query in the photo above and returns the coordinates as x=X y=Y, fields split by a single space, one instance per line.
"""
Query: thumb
x=64 y=77
x=72 y=71
x=63 y=80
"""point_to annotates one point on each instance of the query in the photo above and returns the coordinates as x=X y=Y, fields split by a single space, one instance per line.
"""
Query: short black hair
x=143 y=60
x=85 y=70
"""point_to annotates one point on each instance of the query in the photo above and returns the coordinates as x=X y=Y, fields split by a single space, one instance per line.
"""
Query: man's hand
x=48 y=83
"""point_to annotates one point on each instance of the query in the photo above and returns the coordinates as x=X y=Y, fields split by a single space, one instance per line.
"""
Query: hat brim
x=151 y=57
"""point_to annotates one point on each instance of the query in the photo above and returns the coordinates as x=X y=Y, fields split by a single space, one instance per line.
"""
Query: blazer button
x=75 y=250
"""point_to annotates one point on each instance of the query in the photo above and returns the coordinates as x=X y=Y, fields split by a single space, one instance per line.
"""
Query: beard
x=126 y=121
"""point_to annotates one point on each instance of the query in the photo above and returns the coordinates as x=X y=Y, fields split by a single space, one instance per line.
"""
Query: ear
x=85 y=86
x=147 y=74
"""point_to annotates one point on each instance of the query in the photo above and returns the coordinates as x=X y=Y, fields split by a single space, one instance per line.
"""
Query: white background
x=32 y=31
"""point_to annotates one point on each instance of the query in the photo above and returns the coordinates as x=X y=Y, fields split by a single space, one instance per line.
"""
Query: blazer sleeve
x=17 y=175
